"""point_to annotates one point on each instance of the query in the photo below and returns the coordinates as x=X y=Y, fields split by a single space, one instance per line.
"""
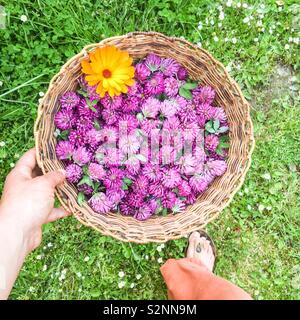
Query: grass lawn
x=257 y=236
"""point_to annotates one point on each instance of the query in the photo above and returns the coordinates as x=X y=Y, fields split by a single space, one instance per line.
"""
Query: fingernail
x=62 y=171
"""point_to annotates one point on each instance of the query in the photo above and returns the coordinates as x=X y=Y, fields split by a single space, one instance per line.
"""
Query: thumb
x=55 y=178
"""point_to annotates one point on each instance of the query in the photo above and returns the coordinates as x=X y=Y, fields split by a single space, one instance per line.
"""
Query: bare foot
x=200 y=248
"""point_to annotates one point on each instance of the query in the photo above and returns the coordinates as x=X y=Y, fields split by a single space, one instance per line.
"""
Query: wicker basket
x=201 y=67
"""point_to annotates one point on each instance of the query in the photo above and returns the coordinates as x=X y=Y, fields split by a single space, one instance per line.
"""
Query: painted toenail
x=198 y=248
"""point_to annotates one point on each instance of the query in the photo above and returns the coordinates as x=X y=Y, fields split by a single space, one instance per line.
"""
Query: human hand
x=27 y=200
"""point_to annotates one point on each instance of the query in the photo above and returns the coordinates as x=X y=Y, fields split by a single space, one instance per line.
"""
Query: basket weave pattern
x=202 y=67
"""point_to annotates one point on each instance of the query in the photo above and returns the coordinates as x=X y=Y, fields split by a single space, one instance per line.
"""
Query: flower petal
x=86 y=67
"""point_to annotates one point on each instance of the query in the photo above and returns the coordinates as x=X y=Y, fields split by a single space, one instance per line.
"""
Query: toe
x=192 y=245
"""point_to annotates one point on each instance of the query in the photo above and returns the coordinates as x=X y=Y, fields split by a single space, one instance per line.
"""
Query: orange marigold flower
x=110 y=69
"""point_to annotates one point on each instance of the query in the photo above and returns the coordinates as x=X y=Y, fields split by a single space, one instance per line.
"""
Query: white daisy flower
x=261 y=208
x=86 y=259
x=228 y=68
x=23 y=18
x=246 y=20
x=62 y=277
x=138 y=276
x=266 y=176
x=64 y=271
x=121 y=284
x=121 y=274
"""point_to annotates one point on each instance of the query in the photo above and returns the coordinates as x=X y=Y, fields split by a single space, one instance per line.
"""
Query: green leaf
x=190 y=85
x=209 y=124
x=124 y=186
x=224 y=145
x=97 y=125
x=161 y=117
x=224 y=139
x=80 y=198
x=95 y=293
x=64 y=134
x=219 y=151
x=91 y=104
x=216 y=124
x=127 y=181
x=162 y=97
x=164 y=211
x=85 y=169
x=185 y=93
x=211 y=130
x=93 y=109
x=96 y=186
x=223 y=129
x=82 y=92
x=87 y=180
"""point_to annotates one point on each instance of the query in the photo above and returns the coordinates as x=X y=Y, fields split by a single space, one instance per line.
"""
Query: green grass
x=257 y=236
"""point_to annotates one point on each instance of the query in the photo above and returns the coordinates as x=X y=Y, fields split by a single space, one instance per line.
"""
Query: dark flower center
x=106 y=73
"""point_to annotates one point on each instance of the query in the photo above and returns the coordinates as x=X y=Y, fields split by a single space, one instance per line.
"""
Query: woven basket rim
x=119 y=231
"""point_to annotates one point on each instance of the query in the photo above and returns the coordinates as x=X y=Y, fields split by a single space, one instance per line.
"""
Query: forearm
x=13 y=250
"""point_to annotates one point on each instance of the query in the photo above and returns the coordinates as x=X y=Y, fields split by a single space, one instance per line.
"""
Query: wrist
x=13 y=232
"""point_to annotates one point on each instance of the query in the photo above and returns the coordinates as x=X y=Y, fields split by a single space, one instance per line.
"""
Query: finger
x=26 y=164
x=57 y=213
x=55 y=178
